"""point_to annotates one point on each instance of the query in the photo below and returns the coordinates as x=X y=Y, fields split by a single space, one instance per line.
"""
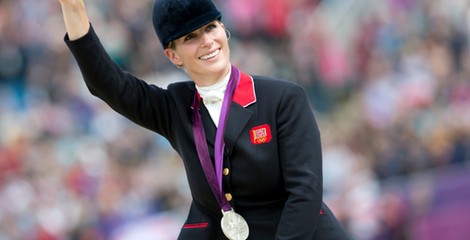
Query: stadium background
x=389 y=82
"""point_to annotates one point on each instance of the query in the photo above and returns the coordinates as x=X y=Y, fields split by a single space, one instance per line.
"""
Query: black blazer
x=273 y=151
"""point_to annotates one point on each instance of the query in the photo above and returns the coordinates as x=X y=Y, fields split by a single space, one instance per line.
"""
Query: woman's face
x=203 y=53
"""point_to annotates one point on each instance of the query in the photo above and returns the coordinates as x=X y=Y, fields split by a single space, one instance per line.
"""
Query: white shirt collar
x=215 y=92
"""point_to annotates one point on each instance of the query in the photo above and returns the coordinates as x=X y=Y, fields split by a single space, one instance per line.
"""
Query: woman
x=250 y=144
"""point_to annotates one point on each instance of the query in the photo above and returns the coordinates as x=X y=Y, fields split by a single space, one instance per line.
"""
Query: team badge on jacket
x=261 y=134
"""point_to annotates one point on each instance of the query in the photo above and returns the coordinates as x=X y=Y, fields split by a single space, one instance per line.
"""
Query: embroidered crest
x=261 y=134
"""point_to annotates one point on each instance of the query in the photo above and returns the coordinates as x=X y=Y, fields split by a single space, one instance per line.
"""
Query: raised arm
x=75 y=18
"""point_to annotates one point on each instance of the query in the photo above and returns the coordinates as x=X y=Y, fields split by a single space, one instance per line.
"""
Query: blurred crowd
x=389 y=82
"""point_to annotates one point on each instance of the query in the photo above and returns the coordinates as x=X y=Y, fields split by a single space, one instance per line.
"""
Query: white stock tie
x=213 y=97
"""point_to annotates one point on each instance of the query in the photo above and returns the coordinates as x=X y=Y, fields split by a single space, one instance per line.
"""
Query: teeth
x=210 y=55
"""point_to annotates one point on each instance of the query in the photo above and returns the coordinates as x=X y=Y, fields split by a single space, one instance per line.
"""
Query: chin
x=219 y=67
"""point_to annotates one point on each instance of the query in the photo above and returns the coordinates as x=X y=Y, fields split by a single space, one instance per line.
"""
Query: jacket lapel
x=245 y=93
x=239 y=115
x=236 y=122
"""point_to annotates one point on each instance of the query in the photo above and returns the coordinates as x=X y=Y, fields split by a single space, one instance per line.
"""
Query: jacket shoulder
x=181 y=86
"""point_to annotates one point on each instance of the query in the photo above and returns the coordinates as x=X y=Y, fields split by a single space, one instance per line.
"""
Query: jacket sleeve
x=144 y=104
x=301 y=163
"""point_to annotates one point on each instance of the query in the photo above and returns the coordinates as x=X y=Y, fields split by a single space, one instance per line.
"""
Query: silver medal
x=234 y=226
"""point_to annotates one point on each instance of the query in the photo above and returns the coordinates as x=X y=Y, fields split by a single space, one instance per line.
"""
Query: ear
x=173 y=57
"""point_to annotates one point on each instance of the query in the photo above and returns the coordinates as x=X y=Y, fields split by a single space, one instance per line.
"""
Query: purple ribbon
x=215 y=177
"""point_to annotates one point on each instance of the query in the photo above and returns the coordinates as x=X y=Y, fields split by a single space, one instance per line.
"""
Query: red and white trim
x=245 y=93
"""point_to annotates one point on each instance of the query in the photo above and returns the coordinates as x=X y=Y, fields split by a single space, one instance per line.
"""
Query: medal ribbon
x=215 y=177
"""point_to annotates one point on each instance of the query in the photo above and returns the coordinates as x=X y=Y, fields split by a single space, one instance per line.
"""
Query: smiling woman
x=250 y=144
x=203 y=53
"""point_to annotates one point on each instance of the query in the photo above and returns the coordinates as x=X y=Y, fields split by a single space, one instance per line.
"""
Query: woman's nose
x=207 y=40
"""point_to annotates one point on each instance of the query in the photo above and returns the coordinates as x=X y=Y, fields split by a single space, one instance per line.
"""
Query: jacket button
x=229 y=197
x=226 y=171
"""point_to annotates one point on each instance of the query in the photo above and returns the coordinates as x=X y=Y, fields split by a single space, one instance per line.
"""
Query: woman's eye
x=189 y=37
x=210 y=27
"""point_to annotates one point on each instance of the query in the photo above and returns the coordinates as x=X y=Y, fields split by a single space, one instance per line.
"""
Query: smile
x=211 y=55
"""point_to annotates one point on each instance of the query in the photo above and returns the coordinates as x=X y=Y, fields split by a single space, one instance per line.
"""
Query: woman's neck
x=209 y=80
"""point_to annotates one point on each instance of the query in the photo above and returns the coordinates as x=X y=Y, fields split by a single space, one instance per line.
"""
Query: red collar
x=245 y=93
